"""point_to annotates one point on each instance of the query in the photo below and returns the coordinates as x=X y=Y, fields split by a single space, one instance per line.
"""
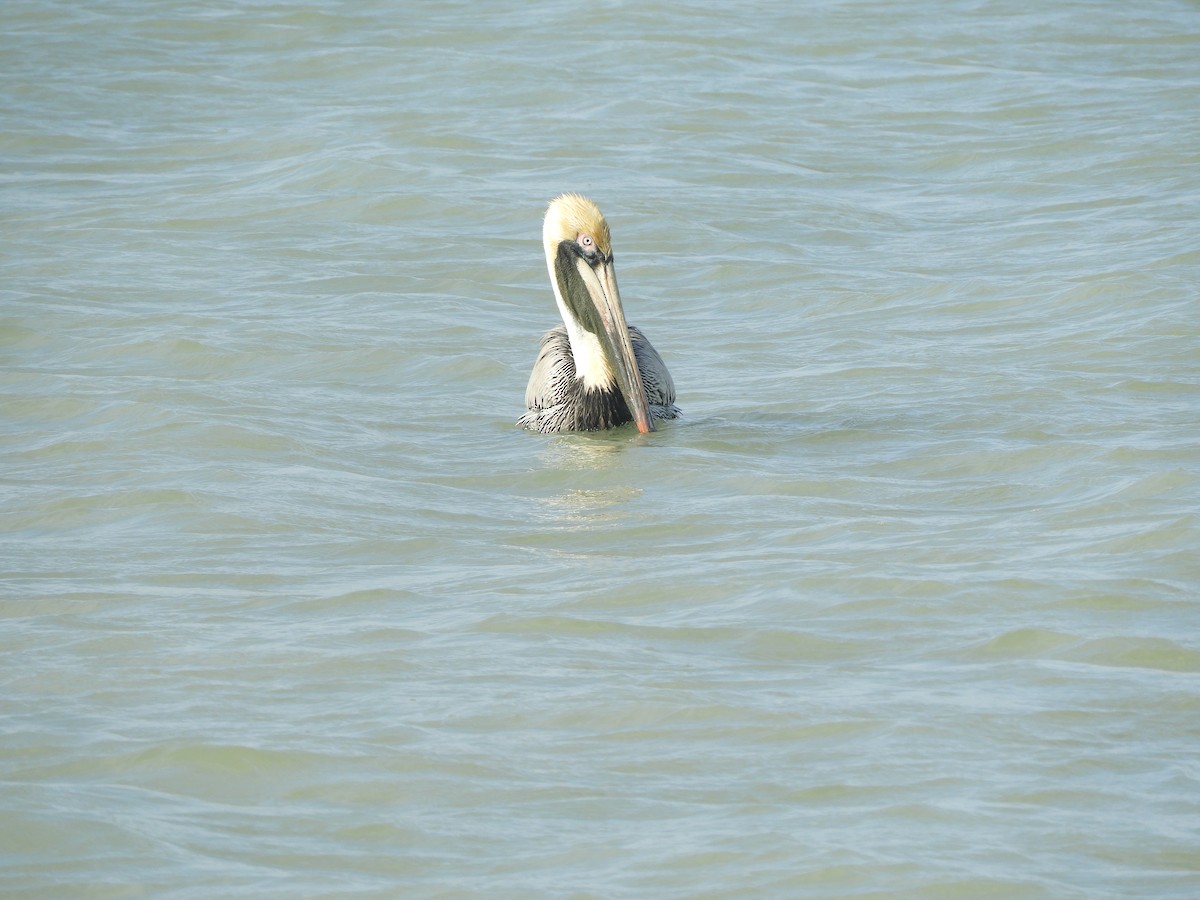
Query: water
x=906 y=605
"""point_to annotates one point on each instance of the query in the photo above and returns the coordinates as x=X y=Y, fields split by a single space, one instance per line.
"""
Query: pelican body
x=594 y=371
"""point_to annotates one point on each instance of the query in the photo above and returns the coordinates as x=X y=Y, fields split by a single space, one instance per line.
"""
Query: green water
x=905 y=605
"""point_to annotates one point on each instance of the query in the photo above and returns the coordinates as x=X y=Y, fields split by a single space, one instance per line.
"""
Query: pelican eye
x=588 y=245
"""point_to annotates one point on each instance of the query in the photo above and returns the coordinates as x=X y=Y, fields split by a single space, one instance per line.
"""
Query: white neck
x=591 y=366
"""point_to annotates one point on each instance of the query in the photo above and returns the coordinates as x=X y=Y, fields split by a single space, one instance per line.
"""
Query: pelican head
x=579 y=256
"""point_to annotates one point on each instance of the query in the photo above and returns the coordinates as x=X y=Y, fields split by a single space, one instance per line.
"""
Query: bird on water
x=593 y=371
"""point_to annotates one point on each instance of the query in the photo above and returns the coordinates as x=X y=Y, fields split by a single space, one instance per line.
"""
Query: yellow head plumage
x=570 y=217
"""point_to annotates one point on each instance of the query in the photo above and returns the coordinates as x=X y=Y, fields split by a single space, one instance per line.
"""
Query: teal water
x=905 y=605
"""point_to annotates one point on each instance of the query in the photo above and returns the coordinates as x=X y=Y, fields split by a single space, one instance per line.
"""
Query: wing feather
x=556 y=401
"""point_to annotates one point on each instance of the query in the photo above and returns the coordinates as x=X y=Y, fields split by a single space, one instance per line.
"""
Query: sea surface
x=906 y=605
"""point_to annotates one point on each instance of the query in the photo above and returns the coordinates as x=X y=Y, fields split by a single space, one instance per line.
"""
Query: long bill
x=601 y=283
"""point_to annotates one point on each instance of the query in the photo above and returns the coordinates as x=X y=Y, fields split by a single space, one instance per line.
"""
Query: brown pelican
x=593 y=371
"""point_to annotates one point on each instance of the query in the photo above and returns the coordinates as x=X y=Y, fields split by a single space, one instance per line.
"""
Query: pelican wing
x=553 y=370
x=555 y=400
x=660 y=389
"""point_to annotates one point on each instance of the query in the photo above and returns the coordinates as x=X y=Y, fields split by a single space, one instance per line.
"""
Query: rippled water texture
x=905 y=605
